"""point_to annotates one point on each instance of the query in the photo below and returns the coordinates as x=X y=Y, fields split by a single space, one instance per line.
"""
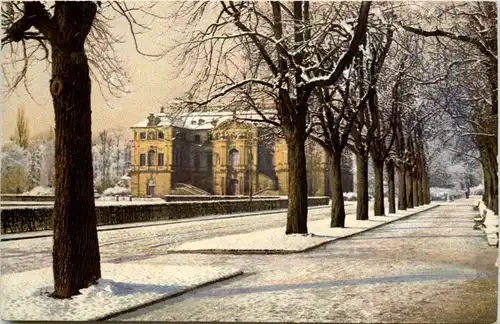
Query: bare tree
x=67 y=27
x=472 y=27
x=288 y=39
x=366 y=123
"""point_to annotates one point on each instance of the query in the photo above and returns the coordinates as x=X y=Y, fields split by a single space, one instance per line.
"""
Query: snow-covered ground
x=116 y=190
x=428 y=268
x=275 y=240
x=25 y=295
x=40 y=191
x=491 y=223
x=145 y=242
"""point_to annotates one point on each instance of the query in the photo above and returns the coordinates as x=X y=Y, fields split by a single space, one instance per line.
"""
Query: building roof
x=199 y=120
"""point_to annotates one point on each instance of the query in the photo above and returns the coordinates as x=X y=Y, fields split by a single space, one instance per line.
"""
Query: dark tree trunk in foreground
x=392 y=187
x=378 y=194
x=297 y=187
x=76 y=260
x=335 y=174
x=362 y=187
x=401 y=188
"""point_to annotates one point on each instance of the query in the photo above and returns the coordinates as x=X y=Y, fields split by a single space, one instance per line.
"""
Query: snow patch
x=131 y=285
x=116 y=191
x=276 y=240
x=40 y=191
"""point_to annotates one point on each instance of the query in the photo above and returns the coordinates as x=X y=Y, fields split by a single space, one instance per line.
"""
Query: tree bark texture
x=378 y=194
x=401 y=188
x=409 y=187
x=391 y=187
x=414 y=183
x=362 y=187
x=418 y=190
x=297 y=187
x=335 y=174
x=76 y=259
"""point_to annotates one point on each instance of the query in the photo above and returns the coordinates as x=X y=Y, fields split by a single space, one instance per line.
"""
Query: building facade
x=212 y=152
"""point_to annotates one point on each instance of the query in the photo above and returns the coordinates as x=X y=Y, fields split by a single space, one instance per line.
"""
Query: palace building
x=215 y=153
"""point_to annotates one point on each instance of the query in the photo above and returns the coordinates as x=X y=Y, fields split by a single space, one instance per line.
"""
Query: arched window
x=151 y=158
x=234 y=158
x=161 y=135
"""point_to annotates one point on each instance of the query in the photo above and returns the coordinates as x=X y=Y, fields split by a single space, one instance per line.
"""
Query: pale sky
x=152 y=85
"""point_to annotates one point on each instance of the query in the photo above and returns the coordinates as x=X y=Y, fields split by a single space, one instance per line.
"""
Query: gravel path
x=429 y=268
x=144 y=242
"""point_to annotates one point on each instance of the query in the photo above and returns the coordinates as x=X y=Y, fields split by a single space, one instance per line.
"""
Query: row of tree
x=324 y=65
x=344 y=74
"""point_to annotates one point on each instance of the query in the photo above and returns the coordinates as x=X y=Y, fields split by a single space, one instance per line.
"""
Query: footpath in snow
x=274 y=241
x=124 y=287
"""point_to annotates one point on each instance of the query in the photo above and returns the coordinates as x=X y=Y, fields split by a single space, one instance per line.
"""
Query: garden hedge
x=29 y=219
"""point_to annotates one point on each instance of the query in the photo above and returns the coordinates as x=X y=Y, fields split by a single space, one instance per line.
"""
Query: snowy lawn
x=124 y=286
x=275 y=241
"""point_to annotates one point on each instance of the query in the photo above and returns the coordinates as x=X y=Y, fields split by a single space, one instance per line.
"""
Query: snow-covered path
x=431 y=267
x=146 y=242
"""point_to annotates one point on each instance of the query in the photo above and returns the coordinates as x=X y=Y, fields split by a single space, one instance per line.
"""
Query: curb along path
x=273 y=241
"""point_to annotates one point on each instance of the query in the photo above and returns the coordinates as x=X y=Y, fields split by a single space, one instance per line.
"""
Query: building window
x=197 y=138
x=160 y=159
x=151 y=135
x=142 y=159
x=234 y=158
x=142 y=135
x=151 y=158
x=161 y=135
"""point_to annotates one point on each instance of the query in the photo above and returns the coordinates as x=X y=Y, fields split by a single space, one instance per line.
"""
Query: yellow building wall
x=160 y=175
x=281 y=165
x=239 y=136
x=229 y=135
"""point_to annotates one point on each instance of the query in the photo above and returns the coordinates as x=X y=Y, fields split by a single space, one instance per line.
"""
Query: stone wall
x=29 y=219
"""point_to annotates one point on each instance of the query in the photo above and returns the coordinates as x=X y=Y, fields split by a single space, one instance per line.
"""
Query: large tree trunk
x=392 y=187
x=486 y=179
x=362 y=187
x=409 y=188
x=419 y=192
x=427 y=189
x=335 y=174
x=401 y=188
x=378 y=193
x=76 y=260
x=488 y=151
x=414 y=183
x=297 y=187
